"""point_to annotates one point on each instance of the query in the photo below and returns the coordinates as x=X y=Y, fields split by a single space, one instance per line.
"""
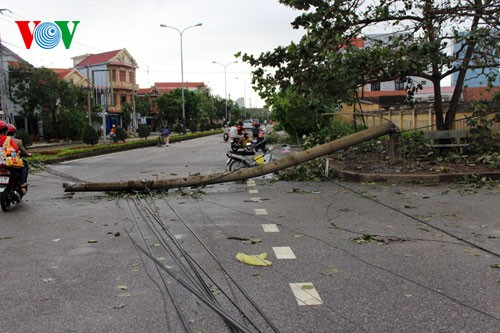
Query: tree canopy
x=326 y=66
x=42 y=95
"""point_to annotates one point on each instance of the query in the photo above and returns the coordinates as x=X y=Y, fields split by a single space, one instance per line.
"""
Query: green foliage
x=415 y=146
x=483 y=139
x=297 y=114
x=42 y=95
x=71 y=124
x=179 y=128
x=78 y=152
x=89 y=135
x=193 y=126
x=496 y=98
x=310 y=171
x=325 y=67
x=143 y=105
x=127 y=114
x=143 y=131
x=121 y=134
x=23 y=135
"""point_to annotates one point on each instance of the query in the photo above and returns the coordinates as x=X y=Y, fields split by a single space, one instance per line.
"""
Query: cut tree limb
x=241 y=174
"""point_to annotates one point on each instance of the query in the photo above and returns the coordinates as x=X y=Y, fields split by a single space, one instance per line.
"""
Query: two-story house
x=113 y=80
x=9 y=111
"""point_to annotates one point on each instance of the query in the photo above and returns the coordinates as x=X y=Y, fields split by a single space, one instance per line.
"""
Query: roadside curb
x=411 y=178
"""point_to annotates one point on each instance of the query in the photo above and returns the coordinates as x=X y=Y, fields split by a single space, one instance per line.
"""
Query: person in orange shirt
x=112 y=133
x=8 y=130
x=3 y=135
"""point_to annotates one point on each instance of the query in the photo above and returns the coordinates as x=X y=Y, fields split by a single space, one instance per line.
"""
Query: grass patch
x=54 y=155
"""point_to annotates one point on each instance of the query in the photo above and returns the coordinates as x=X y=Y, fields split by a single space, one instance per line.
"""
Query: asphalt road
x=345 y=257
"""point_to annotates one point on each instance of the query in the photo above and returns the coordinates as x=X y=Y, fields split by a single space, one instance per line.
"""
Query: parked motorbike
x=248 y=158
x=10 y=187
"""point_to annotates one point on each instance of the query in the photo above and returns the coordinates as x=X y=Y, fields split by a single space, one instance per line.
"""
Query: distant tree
x=89 y=135
x=121 y=134
x=325 y=67
x=143 y=131
x=143 y=106
x=207 y=106
x=169 y=108
x=59 y=103
x=127 y=110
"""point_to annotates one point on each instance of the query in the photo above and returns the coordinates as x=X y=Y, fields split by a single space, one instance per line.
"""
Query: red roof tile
x=479 y=93
x=382 y=93
x=166 y=87
x=176 y=85
x=99 y=58
x=61 y=72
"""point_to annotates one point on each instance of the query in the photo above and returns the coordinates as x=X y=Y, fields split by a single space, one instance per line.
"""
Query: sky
x=249 y=26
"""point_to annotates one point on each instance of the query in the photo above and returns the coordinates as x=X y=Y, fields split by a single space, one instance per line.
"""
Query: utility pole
x=3 y=87
x=134 y=112
x=89 y=110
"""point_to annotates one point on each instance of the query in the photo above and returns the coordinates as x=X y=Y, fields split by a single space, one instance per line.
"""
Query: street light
x=182 y=66
x=225 y=83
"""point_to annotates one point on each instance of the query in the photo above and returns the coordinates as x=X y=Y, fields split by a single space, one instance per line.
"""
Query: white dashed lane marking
x=270 y=228
x=283 y=252
x=306 y=294
x=250 y=182
x=260 y=211
x=253 y=191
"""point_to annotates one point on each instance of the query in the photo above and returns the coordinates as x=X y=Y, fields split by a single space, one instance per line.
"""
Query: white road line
x=260 y=211
x=270 y=228
x=283 y=252
x=250 y=182
x=252 y=191
x=306 y=294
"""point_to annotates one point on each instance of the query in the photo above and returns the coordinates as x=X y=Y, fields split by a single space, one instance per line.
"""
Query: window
x=423 y=82
x=123 y=76
x=399 y=85
x=375 y=86
x=123 y=99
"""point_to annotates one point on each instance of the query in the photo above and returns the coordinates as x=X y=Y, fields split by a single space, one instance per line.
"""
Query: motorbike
x=248 y=158
x=225 y=136
x=10 y=187
x=238 y=143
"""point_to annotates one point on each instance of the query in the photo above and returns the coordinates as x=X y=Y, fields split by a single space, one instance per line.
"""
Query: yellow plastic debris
x=253 y=259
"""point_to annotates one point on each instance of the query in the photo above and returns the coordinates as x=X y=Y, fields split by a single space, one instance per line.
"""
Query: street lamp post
x=182 y=66
x=225 y=83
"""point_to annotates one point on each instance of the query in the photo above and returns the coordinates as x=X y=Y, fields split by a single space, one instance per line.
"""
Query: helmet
x=3 y=125
x=11 y=129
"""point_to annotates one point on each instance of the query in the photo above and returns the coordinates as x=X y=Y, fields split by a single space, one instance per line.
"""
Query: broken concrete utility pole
x=245 y=173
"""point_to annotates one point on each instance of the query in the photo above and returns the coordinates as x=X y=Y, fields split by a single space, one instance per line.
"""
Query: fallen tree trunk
x=241 y=174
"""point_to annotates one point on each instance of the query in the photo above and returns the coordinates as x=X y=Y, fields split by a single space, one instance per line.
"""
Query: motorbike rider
x=233 y=132
x=3 y=135
x=258 y=135
x=226 y=133
x=6 y=130
x=11 y=131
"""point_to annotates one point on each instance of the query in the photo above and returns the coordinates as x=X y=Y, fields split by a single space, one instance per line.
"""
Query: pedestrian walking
x=165 y=134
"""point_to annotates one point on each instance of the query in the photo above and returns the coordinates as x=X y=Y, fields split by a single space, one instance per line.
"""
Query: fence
x=406 y=119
